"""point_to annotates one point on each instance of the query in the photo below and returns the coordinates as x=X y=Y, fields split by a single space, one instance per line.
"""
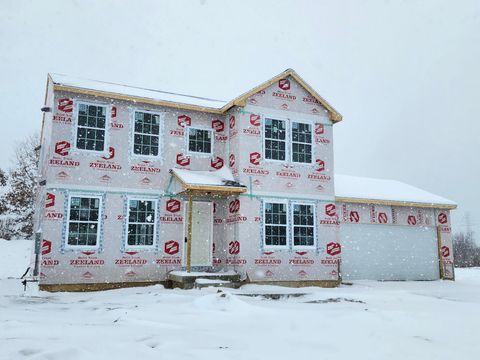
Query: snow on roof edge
x=121 y=89
x=365 y=188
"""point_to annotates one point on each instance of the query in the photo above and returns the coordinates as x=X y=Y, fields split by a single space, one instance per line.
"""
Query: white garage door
x=389 y=252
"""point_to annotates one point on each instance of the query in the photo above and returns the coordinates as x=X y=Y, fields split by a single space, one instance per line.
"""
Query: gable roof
x=176 y=100
x=335 y=116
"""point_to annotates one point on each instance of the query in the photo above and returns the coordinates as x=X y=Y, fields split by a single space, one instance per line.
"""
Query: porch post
x=189 y=234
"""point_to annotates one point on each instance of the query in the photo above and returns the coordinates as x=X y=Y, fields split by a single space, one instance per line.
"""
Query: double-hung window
x=303 y=224
x=83 y=220
x=297 y=231
x=301 y=135
x=275 y=219
x=292 y=140
x=200 y=140
x=275 y=139
x=146 y=134
x=91 y=127
x=141 y=222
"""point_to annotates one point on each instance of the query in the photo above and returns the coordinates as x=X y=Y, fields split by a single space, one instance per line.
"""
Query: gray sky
x=404 y=74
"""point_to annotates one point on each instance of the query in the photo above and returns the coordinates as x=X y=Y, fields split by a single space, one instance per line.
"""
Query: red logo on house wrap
x=65 y=105
x=255 y=158
x=319 y=129
x=442 y=218
x=87 y=275
x=173 y=205
x=184 y=120
x=46 y=247
x=231 y=160
x=302 y=273
x=216 y=163
x=111 y=154
x=62 y=148
x=412 y=220
x=114 y=112
x=183 y=160
x=333 y=248
x=49 y=200
x=234 y=247
x=234 y=206
x=171 y=247
x=445 y=251
x=284 y=84
x=320 y=165
x=231 y=122
x=354 y=216
x=330 y=210
x=218 y=125
x=382 y=218
x=255 y=120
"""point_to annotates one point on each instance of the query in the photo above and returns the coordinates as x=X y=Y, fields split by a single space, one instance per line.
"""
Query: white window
x=288 y=140
x=303 y=225
x=146 y=133
x=141 y=223
x=275 y=139
x=84 y=214
x=200 y=140
x=91 y=127
x=280 y=231
x=301 y=138
x=275 y=224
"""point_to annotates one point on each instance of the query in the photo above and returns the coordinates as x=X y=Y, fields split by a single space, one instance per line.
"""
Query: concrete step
x=185 y=280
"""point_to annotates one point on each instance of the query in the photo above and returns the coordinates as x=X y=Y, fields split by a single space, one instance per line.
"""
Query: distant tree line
x=18 y=187
x=465 y=250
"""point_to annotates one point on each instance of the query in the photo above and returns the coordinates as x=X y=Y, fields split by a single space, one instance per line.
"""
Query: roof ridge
x=142 y=88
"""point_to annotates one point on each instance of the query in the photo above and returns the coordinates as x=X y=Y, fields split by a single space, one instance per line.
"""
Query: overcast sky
x=404 y=74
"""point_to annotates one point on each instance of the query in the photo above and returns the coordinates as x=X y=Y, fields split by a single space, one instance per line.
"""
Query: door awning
x=205 y=183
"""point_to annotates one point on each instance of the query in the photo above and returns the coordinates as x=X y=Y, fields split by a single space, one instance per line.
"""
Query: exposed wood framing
x=439 y=249
x=189 y=234
x=335 y=116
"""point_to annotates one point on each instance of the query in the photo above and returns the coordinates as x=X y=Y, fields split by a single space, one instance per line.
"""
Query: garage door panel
x=389 y=252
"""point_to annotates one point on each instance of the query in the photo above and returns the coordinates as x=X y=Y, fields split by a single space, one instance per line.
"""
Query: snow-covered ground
x=368 y=320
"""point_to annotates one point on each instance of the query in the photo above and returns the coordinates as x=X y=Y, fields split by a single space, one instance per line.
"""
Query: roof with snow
x=218 y=181
x=391 y=192
x=175 y=100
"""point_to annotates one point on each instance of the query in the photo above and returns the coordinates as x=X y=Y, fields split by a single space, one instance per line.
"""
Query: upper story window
x=301 y=142
x=146 y=134
x=275 y=224
x=141 y=222
x=83 y=220
x=295 y=144
x=303 y=224
x=200 y=140
x=275 y=139
x=91 y=126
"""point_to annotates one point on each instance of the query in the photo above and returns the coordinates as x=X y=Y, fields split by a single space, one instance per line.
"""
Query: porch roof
x=216 y=182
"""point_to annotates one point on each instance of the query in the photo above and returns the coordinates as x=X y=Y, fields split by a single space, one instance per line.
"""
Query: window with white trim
x=301 y=135
x=303 y=224
x=83 y=220
x=275 y=139
x=275 y=222
x=141 y=222
x=91 y=125
x=200 y=140
x=146 y=134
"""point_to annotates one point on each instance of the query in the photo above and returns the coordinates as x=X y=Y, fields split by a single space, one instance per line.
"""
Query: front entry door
x=202 y=228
